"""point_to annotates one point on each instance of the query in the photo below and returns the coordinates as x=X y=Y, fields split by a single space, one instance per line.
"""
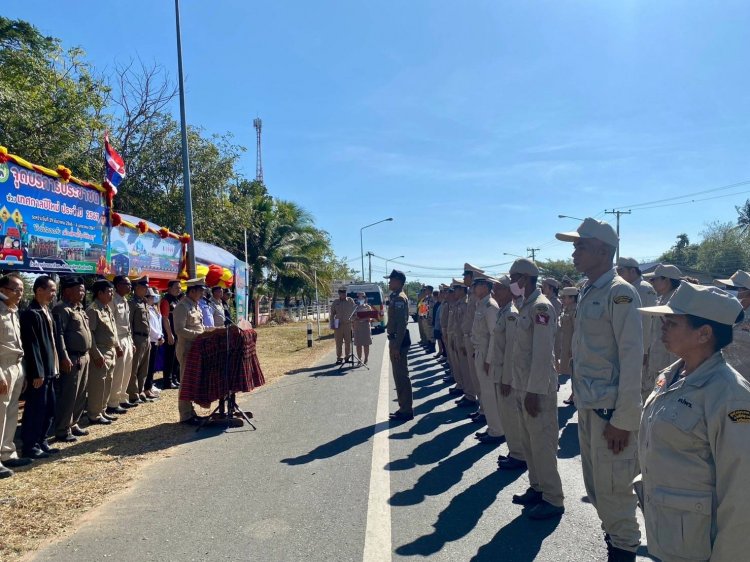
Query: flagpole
x=185 y=158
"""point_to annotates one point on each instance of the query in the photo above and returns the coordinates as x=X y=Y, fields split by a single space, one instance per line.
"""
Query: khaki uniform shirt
x=444 y=309
x=343 y=310
x=565 y=337
x=468 y=320
x=120 y=308
x=534 y=346
x=648 y=298
x=694 y=451
x=608 y=350
x=500 y=354
x=557 y=304
x=11 y=350
x=217 y=310
x=188 y=324
x=103 y=328
x=458 y=311
x=485 y=318
x=737 y=353
x=398 y=317
x=73 y=329
x=659 y=357
x=139 y=322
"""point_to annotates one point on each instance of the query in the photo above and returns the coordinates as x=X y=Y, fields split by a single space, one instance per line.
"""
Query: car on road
x=374 y=299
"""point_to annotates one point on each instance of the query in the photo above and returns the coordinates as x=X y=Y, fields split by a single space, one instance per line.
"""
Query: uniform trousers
x=422 y=332
x=38 y=414
x=511 y=421
x=184 y=407
x=71 y=394
x=12 y=374
x=400 y=370
x=100 y=382
x=171 y=371
x=471 y=382
x=154 y=350
x=539 y=441
x=121 y=377
x=429 y=330
x=609 y=480
x=488 y=394
x=453 y=361
x=343 y=335
x=139 y=369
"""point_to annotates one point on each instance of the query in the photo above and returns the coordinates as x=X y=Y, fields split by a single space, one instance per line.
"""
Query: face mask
x=360 y=301
x=516 y=290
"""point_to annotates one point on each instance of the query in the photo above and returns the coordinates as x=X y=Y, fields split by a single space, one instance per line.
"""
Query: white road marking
x=378 y=531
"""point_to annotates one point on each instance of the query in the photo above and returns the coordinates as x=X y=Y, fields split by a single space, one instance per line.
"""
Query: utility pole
x=258 y=124
x=533 y=252
x=369 y=266
x=618 y=213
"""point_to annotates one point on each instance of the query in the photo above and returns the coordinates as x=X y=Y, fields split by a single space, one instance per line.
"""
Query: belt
x=141 y=334
x=605 y=413
x=78 y=353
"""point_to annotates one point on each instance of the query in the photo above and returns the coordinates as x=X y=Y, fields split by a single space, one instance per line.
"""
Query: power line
x=722 y=188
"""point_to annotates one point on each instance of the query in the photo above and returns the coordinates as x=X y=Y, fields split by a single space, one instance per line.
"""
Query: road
x=326 y=478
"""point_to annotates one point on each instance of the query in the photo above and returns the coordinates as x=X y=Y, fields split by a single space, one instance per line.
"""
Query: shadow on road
x=339 y=445
x=438 y=448
x=568 y=443
x=564 y=413
x=520 y=540
x=461 y=516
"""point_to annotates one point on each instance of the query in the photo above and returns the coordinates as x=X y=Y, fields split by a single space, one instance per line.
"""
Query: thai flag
x=114 y=166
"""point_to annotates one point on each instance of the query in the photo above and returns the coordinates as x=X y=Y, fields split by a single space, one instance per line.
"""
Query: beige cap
x=569 y=291
x=591 y=228
x=552 y=282
x=738 y=279
x=710 y=303
x=457 y=283
x=524 y=266
x=481 y=277
x=504 y=281
x=443 y=287
x=197 y=282
x=668 y=271
x=471 y=269
x=628 y=262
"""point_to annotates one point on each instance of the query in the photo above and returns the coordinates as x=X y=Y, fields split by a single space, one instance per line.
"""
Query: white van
x=374 y=299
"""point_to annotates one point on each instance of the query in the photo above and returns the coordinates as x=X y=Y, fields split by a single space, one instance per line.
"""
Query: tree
x=682 y=254
x=558 y=269
x=723 y=250
x=743 y=219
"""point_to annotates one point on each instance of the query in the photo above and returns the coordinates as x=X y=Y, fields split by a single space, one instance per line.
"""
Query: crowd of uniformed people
x=75 y=366
x=663 y=419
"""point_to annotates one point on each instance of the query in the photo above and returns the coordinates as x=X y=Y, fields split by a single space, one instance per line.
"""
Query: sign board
x=136 y=254
x=240 y=289
x=50 y=225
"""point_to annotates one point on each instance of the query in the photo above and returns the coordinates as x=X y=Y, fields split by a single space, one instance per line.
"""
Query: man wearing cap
x=535 y=390
x=105 y=348
x=341 y=322
x=421 y=313
x=188 y=325
x=471 y=381
x=399 y=343
x=564 y=353
x=441 y=320
x=738 y=352
x=500 y=358
x=551 y=290
x=665 y=279
x=425 y=318
x=630 y=270
x=607 y=363
x=140 y=328
x=485 y=318
x=120 y=308
x=73 y=343
x=455 y=322
x=695 y=430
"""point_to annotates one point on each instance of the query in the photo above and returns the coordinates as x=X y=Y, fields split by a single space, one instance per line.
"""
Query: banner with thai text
x=49 y=225
x=240 y=289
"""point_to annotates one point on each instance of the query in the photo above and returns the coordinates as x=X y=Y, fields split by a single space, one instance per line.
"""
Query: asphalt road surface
x=326 y=478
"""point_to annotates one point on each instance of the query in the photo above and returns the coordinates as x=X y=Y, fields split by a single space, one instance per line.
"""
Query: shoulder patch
x=541 y=318
x=740 y=416
x=622 y=299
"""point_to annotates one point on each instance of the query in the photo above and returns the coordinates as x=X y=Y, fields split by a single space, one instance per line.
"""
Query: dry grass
x=43 y=502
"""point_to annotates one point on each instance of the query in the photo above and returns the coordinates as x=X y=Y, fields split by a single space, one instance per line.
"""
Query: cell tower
x=258 y=124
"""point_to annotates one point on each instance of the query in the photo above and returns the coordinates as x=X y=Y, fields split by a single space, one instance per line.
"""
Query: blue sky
x=473 y=124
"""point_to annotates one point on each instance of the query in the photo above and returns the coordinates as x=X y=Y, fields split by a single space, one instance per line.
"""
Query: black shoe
x=66 y=438
x=78 y=432
x=479 y=434
x=511 y=463
x=109 y=417
x=464 y=402
x=402 y=416
x=116 y=410
x=615 y=554
x=15 y=463
x=491 y=439
x=455 y=391
x=339 y=361
x=5 y=472
x=127 y=405
x=480 y=419
x=529 y=497
x=193 y=420
x=545 y=510
x=44 y=446
x=167 y=385
x=100 y=420
x=34 y=453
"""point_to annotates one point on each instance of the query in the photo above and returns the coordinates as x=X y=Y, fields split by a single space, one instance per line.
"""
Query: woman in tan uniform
x=665 y=279
x=569 y=297
x=361 y=328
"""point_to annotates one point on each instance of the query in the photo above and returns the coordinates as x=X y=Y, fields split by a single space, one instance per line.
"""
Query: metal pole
x=317 y=304
x=369 y=267
x=185 y=158
x=362 y=252
x=247 y=282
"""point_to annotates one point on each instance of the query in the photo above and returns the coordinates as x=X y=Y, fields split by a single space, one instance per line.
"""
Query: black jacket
x=37 y=338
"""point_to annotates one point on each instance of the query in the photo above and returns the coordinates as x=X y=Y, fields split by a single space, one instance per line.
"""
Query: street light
x=390 y=259
x=362 y=247
x=514 y=255
x=568 y=217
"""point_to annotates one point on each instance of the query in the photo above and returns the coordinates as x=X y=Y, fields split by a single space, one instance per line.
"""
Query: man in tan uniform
x=607 y=362
x=105 y=348
x=535 y=390
x=399 y=343
x=139 y=324
x=456 y=336
x=485 y=318
x=737 y=353
x=340 y=318
x=73 y=343
x=630 y=270
x=551 y=290
x=11 y=372
x=120 y=308
x=471 y=382
x=188 y=325
x=500 y=359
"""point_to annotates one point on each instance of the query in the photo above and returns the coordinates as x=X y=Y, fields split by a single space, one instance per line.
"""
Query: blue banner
x=49 y=225
x=240 y=289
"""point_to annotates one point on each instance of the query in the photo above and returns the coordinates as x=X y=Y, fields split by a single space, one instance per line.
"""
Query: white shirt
x=155 y=332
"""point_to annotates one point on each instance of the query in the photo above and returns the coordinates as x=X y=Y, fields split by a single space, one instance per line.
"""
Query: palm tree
x=743 y=220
